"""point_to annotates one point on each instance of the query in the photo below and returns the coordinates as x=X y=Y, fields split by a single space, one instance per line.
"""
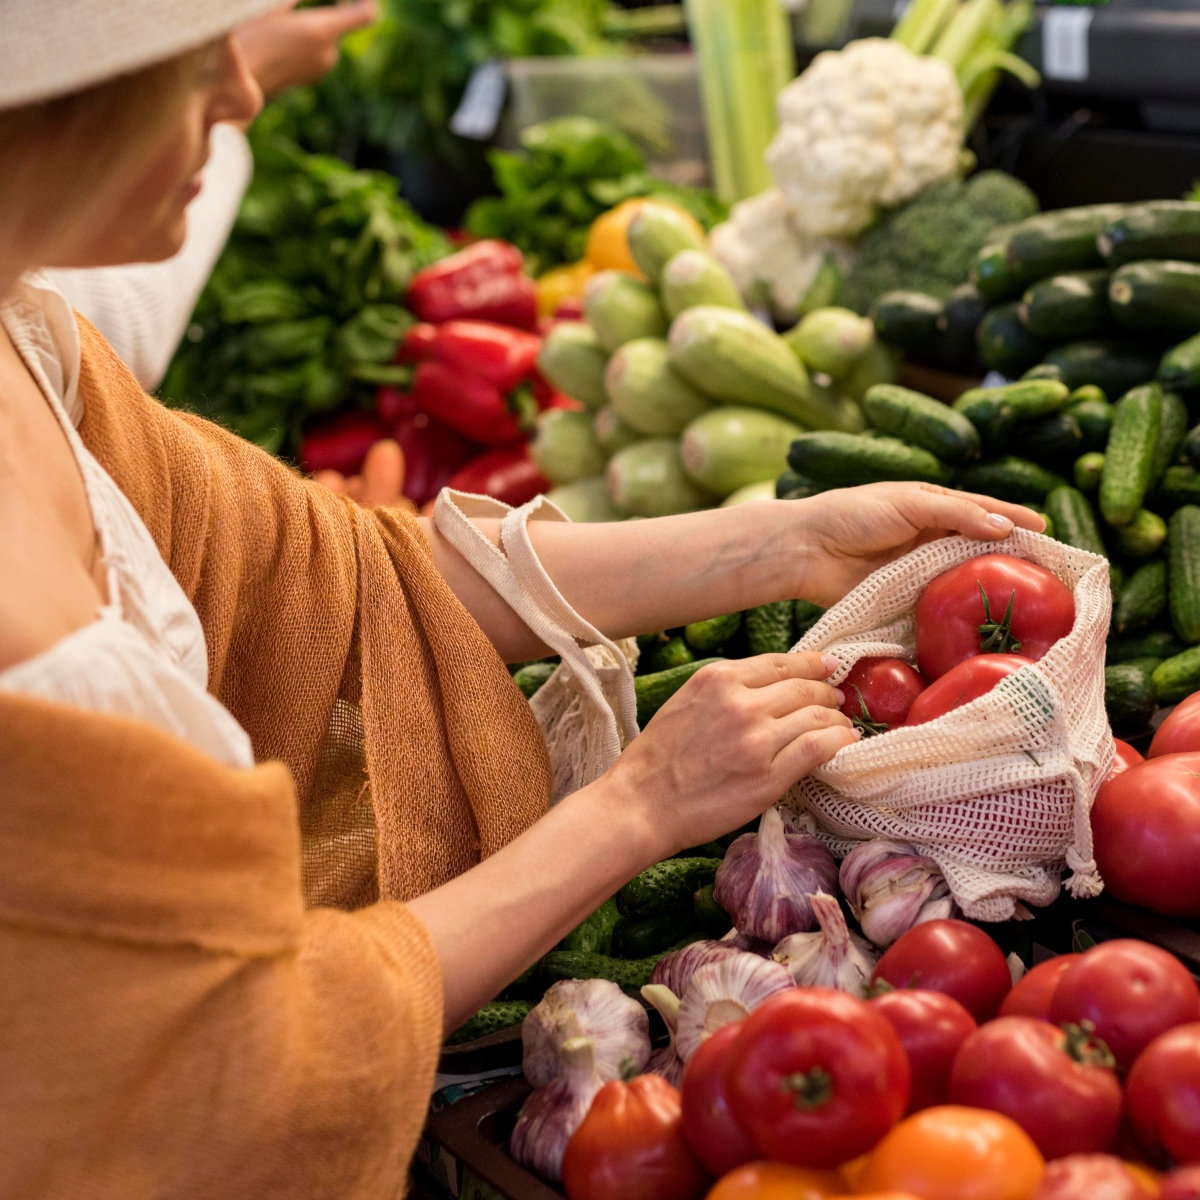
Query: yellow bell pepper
x=561 y=283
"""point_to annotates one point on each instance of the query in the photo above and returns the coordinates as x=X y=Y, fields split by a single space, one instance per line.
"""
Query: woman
x=177 y=606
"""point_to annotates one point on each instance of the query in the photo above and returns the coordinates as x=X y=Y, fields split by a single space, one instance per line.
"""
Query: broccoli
x=929 y=244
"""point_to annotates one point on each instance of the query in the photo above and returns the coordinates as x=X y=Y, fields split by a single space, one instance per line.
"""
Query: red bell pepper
x=483 y=282
x=433 y=452
x=340 y=443
x=549 y=397
x=418 y=343
x=391 y=404
x=502 y=355
x=506 y=473
x=467 y=403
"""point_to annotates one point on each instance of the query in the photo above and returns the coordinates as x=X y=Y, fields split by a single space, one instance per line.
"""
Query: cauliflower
x=863 y=128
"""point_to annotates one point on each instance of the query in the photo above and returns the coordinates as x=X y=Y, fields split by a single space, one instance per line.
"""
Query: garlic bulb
x=765 y=878
x=890 y=888
x=833 y=956
x=675 y=969
x=751 y=945
x=594 y=1008
x=665 y=1062
x=549 y=1117
x=725 y=991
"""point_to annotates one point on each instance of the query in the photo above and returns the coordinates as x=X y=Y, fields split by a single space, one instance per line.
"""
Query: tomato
x=931 y=1026
x=1058 y=1086
x=1180 y=732
x=712 y=1131
x=1032 y=993
x=953 y=1153
x=816 y=1077
x=1146 y=834
x=1026 y=611
x=1090 y=1177
x=775 y=1181
x=952 y=957
x=1183 y=1184
x=879 y=692
x=1126 y=756
x=964 y=683
x=1130 y=991
x=631 y=1147
x=1162 y=1094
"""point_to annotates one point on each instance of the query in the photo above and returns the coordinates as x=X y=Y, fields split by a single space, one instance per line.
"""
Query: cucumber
x=830 y=339
x=692 y=278
x=1158 y=643
x=1014 y=479
x=992 y=273
x=1088 y=470
x=674 y=652
x=922 y=421
x=572 y=360
x=1094 y=417
x=648 y=393
x=770 y=628
x=654 y=690
x=657 y=233
x=1089 y=391
x=845 y=459
x=1160 y=298
x=1142 y=536
x=806 y=615
x=1159 y=229
x=710 y=917
x=992 y=415
x=1177 y=678
x=637 y=939
x=620 y=308
x=565 y=447
x=791 y=485
x=1183 y=572
x=631 y=975
x=532 y=676
x=1129 y=693
x=1191 y=446
x=713 y=633
x=491 y=1018
x=1054 y=440
x=1142 y=598
x=1042 y=371
x=1180 y=366
x=1006 y=345
x=1129 y=456
x=666 y=887
x=911 y=320
x=647 y=479
x=1055 y=242
x=963 y=313
x=1178 y=485
x=727 y=448
x=1116 y=578
x=1047 y=521
x=1114 y=366
x=1065 y=307
x=585 y=501
x=1074 y=521
x=988 y=409
x=612 y=434
x=594 y=934
x=1172 y=430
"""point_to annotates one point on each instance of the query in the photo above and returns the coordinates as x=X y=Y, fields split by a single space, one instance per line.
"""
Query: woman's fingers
x=763 y=670
x=810 y=749
x=789 y=695
x=383 y=473
x=973 y=515
x=335 y=481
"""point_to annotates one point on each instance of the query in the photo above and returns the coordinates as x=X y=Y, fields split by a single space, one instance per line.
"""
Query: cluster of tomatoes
x=975 y=624
x=950 y=1084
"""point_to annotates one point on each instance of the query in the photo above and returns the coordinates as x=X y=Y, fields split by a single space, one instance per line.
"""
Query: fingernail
x=841 y=696
x=1000 y=522
x=830 y=663
x=857 y=734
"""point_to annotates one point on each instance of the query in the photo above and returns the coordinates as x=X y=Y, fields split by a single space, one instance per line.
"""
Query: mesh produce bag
x=998 y=792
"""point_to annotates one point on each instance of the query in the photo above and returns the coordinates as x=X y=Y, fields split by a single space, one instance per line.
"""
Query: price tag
x=1065 y=43
x=478 y=112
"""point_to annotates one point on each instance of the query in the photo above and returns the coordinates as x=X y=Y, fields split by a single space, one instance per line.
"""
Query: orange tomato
x=879 y=1196
x=607 y=241
x=954 y=1153
x=775 y=1181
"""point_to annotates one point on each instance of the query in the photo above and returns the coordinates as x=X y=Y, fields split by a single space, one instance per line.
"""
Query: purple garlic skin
x=674 y=970
x=765 y=879
x=831 y=957
x=747 y=944
x=890 y=888
x=723 y=992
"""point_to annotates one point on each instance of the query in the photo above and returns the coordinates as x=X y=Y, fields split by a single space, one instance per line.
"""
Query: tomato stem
x=813 y=1089
x=1085 y=1047
x=864 y=721
x=995 y=637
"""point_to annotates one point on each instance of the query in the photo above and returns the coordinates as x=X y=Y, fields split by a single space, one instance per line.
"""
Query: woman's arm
x=633 y=577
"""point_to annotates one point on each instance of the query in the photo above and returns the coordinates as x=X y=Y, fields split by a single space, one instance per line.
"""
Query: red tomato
x=1183 y=1184
x=964 y=683
x=879 y=692
x=816 y=1077
x=931 y=1026
x=631 y=1147
x=1162 y=1095
x=1180 y=732
x=1058 y=1086
x=1032 y=993
x=1126 y=756
x=952 y=957
x=1146 y=834
x=1027 y=610
x=1090 y=1177
x=1130 y=991
x=712 y=1131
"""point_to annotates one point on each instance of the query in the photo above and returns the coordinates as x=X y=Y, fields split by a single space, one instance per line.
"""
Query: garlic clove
x=888 y=886
x=665 y=1062
x=750 y=945
x=725 y=991
x=617 y=1025
x=550 y=1116
x=832 y=956
x=675 y=969
x=765 y=878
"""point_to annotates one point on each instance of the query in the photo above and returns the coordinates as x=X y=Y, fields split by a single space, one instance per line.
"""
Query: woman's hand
x=844 y=535
x=727 y=745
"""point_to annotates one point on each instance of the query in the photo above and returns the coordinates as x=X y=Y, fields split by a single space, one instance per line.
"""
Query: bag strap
x=514 y=570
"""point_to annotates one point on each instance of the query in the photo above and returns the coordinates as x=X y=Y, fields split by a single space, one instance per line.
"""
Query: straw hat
x=53 y=47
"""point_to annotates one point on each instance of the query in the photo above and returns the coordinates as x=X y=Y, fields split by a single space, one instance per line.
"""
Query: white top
x=144 y=656
x=144 y=309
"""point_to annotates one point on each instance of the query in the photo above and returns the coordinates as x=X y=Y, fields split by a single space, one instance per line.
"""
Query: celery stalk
x=914 y=16
x=970 y=24
x=933 y=21
x=995 y=59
